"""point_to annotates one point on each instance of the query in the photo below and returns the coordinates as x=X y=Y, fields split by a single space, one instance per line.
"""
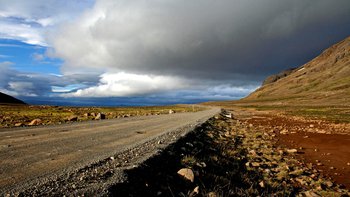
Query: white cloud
x=127 y=84
x=22 y=32
x=29 y=21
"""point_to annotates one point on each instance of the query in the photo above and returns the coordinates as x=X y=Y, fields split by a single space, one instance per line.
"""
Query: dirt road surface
x=29 y=154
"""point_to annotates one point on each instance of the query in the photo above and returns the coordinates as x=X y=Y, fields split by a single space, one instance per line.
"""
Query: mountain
x=6 y=99
x=325 y=80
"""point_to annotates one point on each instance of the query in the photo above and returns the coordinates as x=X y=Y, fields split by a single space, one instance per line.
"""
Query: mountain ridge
x=7 y=99
x=323 y=80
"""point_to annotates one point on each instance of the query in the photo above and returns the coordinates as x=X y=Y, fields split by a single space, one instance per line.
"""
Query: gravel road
x=28 y=155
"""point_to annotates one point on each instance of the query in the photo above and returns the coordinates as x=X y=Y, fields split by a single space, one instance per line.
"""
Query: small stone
x=112 y=158
x=319 y=164
x=292 y=150
x=228 y=115
x=284 y=132
x=72 y=118
x=301 y=181
x=306 y=136
x=35 y=122
x=311 y=194
x=255 y=164
x=332 y=168
x=100 y=116
x=195 y=191
x=262 y=184
x=18 y=124
x=171 y=111
x=212 y=194
x=348 y=163
x=312 y=126
x=329 y=184
x=187 y=174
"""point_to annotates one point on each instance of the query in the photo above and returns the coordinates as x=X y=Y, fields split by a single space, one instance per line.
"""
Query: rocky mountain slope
x=325 y=80
x=6 y=99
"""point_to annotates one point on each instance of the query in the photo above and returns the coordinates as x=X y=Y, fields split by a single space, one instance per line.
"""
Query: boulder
x=171 y=111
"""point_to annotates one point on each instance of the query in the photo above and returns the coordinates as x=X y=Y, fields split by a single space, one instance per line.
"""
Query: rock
x=194 y=192
x=171 y=111
x=292 y=150
x=255 y=164
x=306 y=136
x=72 y=118
x=100 y=116
x=187 y=174
x=93 y=114
x=312 y=126
x=212 y=194
x=311 y=194
x=348 y=164
x=262 y=184
x=301 y=181
x=18 y=124
x=284 y=132
x=87 y=114
x=35 y=122
x=228 y=115
x=329 y=184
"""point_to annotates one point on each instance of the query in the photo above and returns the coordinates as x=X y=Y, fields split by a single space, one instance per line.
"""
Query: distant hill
x=6 y=99
x=325 y=80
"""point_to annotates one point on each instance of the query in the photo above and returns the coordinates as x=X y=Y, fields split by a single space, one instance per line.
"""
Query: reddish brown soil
x=331 y=150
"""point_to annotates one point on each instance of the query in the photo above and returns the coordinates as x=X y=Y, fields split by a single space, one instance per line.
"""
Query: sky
x=138 y=52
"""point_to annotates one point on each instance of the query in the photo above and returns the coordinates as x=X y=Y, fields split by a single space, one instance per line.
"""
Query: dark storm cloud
x=202 y=39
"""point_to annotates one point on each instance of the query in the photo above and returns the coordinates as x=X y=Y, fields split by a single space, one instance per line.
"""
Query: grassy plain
x=22 y=115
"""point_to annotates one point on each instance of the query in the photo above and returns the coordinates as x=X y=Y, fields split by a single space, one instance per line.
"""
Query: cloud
x=126 y=84
x=190 y=49
x=18 y=83
x=29 y=21
x=200 y=38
